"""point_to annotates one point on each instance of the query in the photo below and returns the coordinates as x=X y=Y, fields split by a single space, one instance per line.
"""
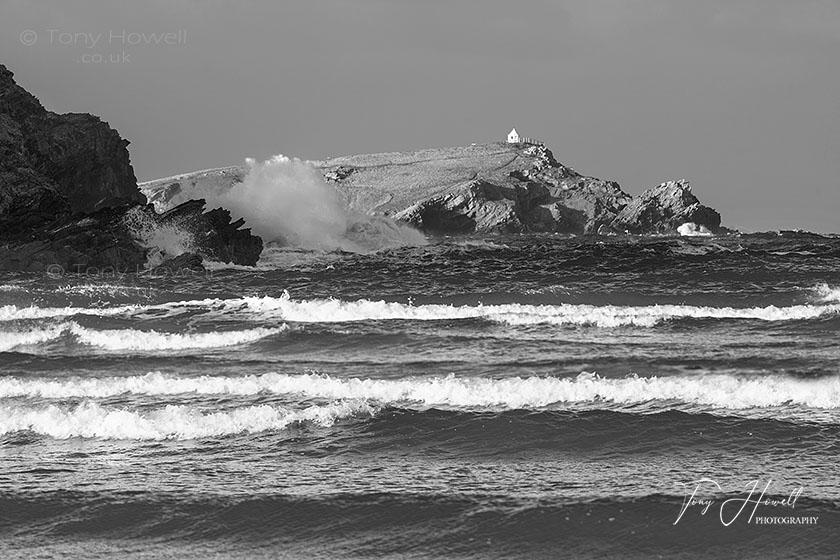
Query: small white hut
x=513 y=136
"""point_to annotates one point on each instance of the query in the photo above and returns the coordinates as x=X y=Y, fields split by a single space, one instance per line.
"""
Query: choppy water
x=520 y=397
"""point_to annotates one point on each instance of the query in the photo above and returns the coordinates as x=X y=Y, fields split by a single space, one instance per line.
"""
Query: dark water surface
x=520 y=397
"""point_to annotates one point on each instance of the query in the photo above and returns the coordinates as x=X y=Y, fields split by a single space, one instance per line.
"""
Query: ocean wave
x=333 y=310
x=717 y=391
x=284 y=308
x=14 y=339
x=90 y=420
x=131 y=339
x=14 y=313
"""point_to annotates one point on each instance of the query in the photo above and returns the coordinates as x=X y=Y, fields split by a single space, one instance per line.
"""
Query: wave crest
x=333 y=310
x=90 y=420
x=131 y=339
x=14 y=339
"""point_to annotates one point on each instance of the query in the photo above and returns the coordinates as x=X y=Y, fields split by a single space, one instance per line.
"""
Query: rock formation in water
x=121 y=239
x=497 y=187
x=67 y=191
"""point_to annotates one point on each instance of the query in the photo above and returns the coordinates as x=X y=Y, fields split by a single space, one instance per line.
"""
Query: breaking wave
x=91 y=420
x=719 y=391
x=284 y=308
x=828 y=293
x=131 y=339
x=690 y=229
x=333 y=310
x=15 y=339
x=14 y=313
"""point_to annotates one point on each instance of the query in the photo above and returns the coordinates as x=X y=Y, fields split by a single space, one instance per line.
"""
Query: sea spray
x=286 y=201
x=690 y=229
x=164 y=241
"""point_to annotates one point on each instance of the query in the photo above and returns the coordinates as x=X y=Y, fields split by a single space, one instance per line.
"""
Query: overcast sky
x=740 y=97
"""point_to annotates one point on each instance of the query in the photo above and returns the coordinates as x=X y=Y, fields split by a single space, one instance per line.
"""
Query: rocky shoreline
x=69 y=197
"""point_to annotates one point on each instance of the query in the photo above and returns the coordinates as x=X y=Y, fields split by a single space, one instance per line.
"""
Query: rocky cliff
x=69 y=196
x=497 y=187
x=48 y=158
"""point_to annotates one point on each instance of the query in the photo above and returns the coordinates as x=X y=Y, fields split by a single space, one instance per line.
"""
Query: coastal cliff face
x=48 y=157
x=497 y=187
x=69 y=196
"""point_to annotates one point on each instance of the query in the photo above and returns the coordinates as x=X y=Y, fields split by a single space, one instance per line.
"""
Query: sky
x=742 y=98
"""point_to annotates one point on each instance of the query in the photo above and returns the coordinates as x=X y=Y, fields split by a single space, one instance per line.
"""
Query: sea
x=513 y=396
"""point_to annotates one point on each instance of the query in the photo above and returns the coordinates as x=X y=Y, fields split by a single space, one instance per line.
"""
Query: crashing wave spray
x=286 y=200
x=162 y=241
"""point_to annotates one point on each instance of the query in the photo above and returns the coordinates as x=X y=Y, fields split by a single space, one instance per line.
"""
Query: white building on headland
x=514 y=138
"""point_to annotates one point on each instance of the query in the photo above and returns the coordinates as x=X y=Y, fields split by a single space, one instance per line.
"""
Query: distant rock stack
x=498 y=187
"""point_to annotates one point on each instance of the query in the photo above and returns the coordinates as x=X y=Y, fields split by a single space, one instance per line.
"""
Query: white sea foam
x=91 y=420
x=690 y=229
x=163 y=241
x=130 y=339
x=13 y=312
x=718 y=390
x=829 y=294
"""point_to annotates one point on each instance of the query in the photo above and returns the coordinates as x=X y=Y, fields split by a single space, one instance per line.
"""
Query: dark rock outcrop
x=663 y=209
x=76 y=156
x=69 y=198
x=117 y=239
x=214 y=234
x=78 y=246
